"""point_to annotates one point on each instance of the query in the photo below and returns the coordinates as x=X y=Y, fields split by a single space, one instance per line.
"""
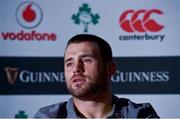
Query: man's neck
x=100 y=107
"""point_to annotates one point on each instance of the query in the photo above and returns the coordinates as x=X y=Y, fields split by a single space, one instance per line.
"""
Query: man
x=88 y=67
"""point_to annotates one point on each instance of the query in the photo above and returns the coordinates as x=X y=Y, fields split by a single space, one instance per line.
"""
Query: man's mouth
x=79 y=81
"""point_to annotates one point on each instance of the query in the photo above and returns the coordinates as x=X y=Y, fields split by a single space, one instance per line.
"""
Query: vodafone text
x=29 y=36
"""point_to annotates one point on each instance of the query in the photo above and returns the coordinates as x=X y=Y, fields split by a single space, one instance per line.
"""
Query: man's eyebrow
x=82 y=56
x=69 y=59
x=87 y=55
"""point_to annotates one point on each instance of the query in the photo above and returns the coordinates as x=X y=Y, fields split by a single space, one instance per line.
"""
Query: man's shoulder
x=125 y=102
x=51 y=111
x=130 y=104
x=133 y=109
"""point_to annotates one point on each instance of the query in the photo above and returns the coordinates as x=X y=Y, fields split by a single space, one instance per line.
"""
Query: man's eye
x=69 y=64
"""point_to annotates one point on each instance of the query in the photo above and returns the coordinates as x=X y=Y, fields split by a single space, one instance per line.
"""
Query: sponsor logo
x=11 y=74
x=85 y=17
x=21 y=115
x=28 y=16
x=134 y=77
x=140 y=25
x=29 y=36
x=26 y=76
x=141 y=22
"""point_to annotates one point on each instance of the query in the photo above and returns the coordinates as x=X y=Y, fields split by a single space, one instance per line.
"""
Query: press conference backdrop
x=144 y=35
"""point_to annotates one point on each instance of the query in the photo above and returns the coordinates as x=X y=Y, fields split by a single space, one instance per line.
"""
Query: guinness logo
x=12 y=74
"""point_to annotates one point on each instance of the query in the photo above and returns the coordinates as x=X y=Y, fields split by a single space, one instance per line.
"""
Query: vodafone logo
x=140 y=21
x=29 y=14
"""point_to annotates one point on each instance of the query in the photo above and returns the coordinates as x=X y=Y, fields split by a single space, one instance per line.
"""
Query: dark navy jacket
x=122 y=108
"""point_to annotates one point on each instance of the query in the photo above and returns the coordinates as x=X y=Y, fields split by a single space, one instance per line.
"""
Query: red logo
x=144 y=24
x=29 y=14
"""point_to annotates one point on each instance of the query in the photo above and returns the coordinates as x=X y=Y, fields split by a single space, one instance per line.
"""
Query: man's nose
x=79 y=67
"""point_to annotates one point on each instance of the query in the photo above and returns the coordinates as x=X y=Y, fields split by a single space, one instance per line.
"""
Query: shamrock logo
x=21 y=115
x=85 y=17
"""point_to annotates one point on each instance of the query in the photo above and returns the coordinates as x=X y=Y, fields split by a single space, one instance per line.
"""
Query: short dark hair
x=104 y=47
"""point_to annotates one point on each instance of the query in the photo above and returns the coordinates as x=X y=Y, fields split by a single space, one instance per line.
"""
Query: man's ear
x=111 y=68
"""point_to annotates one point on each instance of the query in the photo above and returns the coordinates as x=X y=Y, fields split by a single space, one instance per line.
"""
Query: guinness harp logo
x=12 y=74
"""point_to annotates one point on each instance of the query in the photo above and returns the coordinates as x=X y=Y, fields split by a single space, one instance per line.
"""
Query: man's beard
x=84 y=91
x=89 y=90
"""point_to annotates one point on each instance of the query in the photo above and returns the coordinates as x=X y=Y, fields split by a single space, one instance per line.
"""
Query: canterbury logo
x=143 y=24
